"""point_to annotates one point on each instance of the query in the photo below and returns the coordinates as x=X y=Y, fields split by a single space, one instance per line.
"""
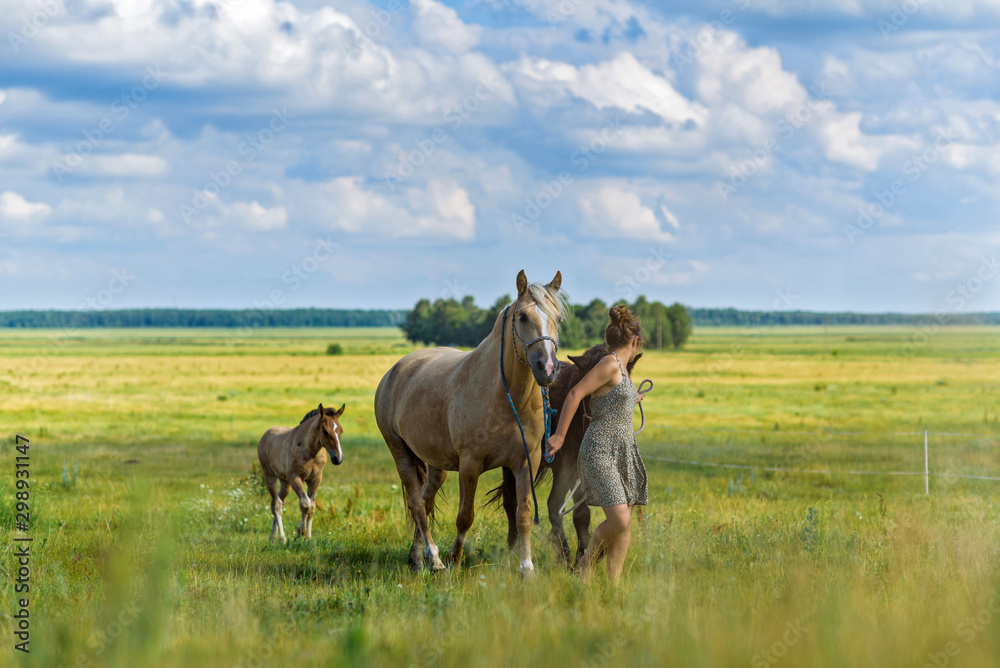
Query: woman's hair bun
x=620 y=314
x=623 y=326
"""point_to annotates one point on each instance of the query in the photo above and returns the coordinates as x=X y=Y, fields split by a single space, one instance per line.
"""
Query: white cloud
x=443 y=210
x=844 y=142
x=125 y=165
x=16 y=208
x=621 y=83
x=439 y=24
x=256 y=217
x=731 y=73
x=612 y=211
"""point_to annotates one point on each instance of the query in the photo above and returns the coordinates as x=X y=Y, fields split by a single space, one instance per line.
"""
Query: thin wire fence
x=948 y=456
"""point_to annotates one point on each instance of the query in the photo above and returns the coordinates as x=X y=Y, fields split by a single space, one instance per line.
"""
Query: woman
x=611 y=471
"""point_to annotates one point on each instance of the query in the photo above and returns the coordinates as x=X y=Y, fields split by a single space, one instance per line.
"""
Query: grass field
x=150 y=529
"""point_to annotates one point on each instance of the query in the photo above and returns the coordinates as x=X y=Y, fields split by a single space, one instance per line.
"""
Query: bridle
x=526 y=344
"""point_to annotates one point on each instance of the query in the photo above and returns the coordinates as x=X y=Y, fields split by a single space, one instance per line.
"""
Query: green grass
x=157 y=553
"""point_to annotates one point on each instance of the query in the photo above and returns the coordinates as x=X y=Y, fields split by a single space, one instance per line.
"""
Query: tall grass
x=157 y=553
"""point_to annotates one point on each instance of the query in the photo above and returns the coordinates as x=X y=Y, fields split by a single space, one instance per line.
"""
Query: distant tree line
x=146 y=317
x=730 y=317
x=462 y=323
x=466 y=322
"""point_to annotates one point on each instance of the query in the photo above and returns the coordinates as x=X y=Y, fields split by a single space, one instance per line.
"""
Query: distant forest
x=317 y=317
x=149 y=317
x=730 y=317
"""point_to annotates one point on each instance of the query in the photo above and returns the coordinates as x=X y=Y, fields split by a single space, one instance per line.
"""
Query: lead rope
x=524 y=441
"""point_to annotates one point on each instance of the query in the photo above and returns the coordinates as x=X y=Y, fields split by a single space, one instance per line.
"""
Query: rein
x=546 y=409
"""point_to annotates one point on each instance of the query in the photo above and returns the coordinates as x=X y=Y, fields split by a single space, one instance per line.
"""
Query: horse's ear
x=556 y=282
x=522 y=283
x=632 y=363
x=577 y=359
x=321 y=410
x=340 y=411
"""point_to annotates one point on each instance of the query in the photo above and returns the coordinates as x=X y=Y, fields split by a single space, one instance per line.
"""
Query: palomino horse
x=565 y=473
x=441 y=409
x=296 y=457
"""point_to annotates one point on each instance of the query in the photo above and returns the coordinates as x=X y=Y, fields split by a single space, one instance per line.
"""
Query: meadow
x=150 y=525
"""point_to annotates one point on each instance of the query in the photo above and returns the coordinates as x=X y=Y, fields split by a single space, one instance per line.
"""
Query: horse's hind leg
x=508 y=489
x=581 y=520
x=411 y=474
x=282 y=493
x=433 y=481
x=561 y=480
x=271 y=482
x=468 y=479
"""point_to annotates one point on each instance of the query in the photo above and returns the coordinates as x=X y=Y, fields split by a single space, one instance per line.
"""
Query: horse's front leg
x=305 y=504
x=524 y=514
x=313 y=487
x=468 y=479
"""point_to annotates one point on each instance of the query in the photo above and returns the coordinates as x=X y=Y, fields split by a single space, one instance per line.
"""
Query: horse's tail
x=506 y=491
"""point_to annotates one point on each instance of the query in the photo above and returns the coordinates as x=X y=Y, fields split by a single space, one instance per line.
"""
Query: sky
x=759 y=154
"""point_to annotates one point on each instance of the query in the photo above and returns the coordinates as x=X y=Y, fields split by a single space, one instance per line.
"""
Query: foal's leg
x=271 y=481
x=282 y=493
x=313 y=487
x=468 y=479
x=561 y=481
x=305 y=504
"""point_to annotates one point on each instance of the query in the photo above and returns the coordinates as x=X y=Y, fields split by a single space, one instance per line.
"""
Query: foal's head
x=330 y=431
x=537 y=312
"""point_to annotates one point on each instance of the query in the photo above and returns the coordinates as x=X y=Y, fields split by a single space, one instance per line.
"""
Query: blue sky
x=762 y=154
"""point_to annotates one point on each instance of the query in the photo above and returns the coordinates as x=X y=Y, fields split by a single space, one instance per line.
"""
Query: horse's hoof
x=527 y=571
x=437 y=567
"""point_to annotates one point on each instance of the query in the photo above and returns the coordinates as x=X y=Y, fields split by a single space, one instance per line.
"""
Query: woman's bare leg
x=617 y=551
x=607 y=534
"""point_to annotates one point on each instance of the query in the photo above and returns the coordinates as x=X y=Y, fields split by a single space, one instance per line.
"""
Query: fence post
x=927 y=475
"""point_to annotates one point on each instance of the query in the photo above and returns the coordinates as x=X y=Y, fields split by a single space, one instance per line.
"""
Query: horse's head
x=535 y=317
x=330 y=431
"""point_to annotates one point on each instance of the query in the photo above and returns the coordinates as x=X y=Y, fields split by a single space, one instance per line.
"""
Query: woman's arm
x=603 y=373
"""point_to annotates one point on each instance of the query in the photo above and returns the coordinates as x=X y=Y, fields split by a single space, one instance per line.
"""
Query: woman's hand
x=555 y=442
x=642 y=395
